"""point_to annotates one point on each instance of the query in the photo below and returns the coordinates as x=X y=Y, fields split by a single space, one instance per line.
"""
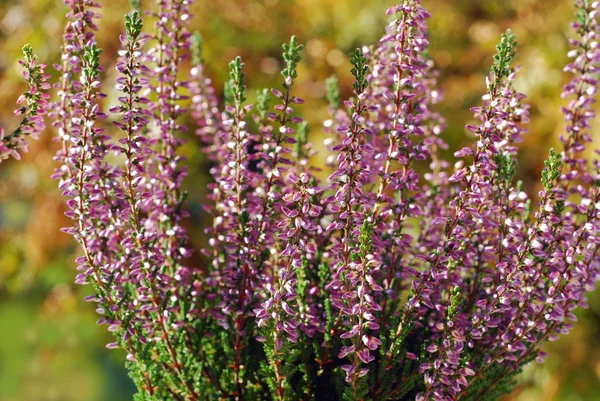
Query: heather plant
x=390 y=274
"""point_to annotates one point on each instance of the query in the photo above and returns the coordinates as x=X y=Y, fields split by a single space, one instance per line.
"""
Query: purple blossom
x=400 y=273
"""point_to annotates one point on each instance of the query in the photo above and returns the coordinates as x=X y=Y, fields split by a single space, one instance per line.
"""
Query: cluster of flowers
x=399 y=276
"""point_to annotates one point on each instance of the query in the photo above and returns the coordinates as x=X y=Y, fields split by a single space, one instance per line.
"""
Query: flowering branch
x=35 y=105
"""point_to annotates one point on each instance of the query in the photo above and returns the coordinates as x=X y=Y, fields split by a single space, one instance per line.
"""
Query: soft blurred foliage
x=50 y=348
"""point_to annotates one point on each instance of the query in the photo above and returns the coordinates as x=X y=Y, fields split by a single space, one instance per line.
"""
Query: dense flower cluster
x=395 y=275
x=128 y=215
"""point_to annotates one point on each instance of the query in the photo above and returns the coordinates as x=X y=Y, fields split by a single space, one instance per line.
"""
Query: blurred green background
x=50 y=348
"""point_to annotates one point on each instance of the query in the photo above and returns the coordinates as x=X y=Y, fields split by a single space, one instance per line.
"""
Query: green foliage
x=305 y=386
x=408 y=384
x=506 y=168
x=284 y=362
x=358 y=392
x=552 y=171
x=91 y=62
x=365 y=238
x=395 y=374
x=228 y=93
x=28 y=53
x=244 y=218
x=291 y=56
x=324 y=277
x=32 y=97
x=133 y=25
x=503 y=58
x=455 y=301
x=236 y=82
x=497 y=381
x=333 y=92
x=560 y=207
x=360 y=70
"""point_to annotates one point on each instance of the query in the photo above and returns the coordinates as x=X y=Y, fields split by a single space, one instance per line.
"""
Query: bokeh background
x=50 y=347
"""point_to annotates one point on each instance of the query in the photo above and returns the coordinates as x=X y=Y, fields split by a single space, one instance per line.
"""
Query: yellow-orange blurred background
x=50 y=348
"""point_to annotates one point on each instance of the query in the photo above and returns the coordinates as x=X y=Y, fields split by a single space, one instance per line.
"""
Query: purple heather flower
x=165 y=172
x=398 y=269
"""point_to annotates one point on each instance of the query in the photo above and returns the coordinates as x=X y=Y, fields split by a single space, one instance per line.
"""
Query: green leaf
x=28 y=53
x=552 y=171
x=91 y=58
x=291 y=56
x=236 y=81
x=133 y=25
x=503 y=58
x=360 y=70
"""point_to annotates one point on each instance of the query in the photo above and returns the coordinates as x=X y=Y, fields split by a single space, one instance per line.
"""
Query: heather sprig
x=34 y=107
x=291 y=57
x=236 y=81
x=235 y=270
x=280 y=313
x=275 y=136
x=505 y=53
x=552 y=171
x=359 y=70
x=402 y=49
x=350 y=288
x=77 y=34
x=122 y=260
x=477 y=202
x=133 y=25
